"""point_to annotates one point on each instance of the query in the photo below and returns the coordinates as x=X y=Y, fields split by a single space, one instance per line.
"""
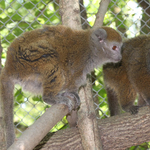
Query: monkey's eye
x=114 y=47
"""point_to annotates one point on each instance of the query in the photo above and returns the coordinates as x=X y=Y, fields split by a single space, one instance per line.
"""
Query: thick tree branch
x=116 y=133
x=101 y=13
x=126 y=130
x=67 y=139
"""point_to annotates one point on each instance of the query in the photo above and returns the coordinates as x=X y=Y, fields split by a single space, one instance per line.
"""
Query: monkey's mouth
x=118 y=59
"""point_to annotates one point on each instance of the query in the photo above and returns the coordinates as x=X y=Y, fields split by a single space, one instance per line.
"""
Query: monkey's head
x=108 y=43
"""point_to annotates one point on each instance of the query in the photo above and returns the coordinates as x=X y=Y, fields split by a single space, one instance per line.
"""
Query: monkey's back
x=50 y=52
x=129 y=77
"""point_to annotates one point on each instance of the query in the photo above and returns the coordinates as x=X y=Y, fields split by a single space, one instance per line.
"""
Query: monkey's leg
x=72 y=116
x=141 y=81
x=6 y=93
x=113 y=103
x=64 y=98
x=127 y=96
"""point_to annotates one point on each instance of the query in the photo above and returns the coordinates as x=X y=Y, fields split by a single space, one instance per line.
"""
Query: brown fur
x=113 y=36
x=54 y=61
x=125 y=79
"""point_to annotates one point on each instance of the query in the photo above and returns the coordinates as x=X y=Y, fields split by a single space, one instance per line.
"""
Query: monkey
x=129 y=78
x=53 y=61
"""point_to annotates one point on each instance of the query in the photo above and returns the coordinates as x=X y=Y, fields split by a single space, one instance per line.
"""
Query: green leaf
x=19 y=96
x=29 y=5
x=37 y=98
x=16 y=17
x=2 y=4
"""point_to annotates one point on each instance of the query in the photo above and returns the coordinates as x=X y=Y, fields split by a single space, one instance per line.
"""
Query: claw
x=134 y=109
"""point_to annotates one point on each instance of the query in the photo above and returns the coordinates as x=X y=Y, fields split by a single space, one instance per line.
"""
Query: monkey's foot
x=71 y=99
x=73 y=96
x=134 y=109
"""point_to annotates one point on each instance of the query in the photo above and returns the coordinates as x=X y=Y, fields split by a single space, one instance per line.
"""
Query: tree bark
x=116 y=133
x=70 y=13
x=67 y=139
x=126 y=130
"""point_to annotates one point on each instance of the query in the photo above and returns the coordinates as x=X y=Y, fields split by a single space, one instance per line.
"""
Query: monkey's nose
x=118 y=59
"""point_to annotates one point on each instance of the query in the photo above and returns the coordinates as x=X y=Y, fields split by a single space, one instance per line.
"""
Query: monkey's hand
x=68 y=98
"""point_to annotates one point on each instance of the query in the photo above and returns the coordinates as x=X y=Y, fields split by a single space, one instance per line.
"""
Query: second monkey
x=130 y=77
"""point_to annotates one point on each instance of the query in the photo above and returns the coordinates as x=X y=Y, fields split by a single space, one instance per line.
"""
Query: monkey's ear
x=101 y=34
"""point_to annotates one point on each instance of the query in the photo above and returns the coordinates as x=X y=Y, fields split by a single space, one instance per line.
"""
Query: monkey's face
x=108 y=44
x=112 y=50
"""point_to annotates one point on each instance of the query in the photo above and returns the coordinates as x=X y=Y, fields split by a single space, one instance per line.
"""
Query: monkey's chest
x=75 y=82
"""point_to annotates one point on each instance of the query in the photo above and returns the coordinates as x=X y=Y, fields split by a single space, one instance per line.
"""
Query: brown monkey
x=129 y=77
x=54 y=61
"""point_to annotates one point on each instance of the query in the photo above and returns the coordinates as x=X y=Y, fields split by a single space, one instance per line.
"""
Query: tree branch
x=35 y=133
x=87 y=119
x=101 y=13
x=70 y=13
x=126 y=130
